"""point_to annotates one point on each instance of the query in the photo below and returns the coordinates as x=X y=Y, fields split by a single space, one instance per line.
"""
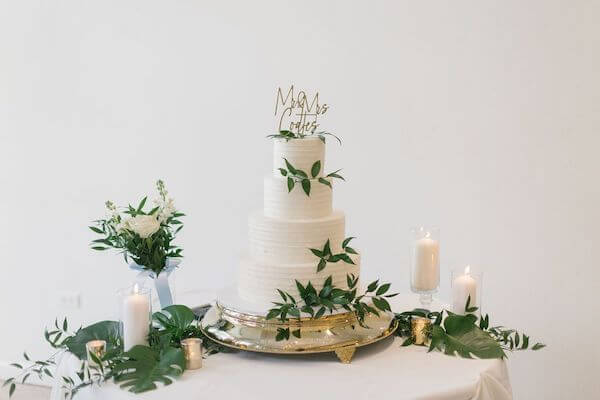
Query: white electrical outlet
x=69 y=300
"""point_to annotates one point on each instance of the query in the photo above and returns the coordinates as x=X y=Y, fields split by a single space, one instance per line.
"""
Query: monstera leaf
x=460 y=335
x=104 y=330
x=146 y=366
x=175 y=317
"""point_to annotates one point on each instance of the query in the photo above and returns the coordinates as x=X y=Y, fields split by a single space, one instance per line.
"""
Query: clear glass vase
x=135 y=315
x=425 y=262
x=466 y=284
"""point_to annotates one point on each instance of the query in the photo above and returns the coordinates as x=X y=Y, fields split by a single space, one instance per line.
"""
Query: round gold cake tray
x=339 y=333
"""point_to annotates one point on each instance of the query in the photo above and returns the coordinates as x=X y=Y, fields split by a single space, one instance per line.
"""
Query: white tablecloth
x=382 y=370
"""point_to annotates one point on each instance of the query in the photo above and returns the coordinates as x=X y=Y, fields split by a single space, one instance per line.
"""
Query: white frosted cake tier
x=258 y=282
x=301 y=153
x=280 y=203
x=277 y=241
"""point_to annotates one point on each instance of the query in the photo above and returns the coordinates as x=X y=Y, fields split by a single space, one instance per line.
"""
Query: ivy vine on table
x=137 y=370
x=289 y=135
x=464 y=335
x=295 y=175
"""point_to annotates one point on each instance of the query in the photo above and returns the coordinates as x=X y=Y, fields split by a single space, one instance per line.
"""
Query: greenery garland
x=464 y=335
x=137 y=370
x=315 y=303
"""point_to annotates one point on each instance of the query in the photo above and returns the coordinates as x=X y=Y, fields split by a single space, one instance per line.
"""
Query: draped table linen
x=381 y=370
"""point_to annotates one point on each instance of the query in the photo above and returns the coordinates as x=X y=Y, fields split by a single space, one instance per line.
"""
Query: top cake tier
x=301 y=153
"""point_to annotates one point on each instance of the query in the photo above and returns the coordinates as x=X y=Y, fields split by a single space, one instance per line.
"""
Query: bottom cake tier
x=258 y=282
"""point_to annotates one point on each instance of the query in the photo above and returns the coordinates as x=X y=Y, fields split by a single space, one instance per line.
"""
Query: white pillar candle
x=426 y=268
x=464 y=286
x=136 y=319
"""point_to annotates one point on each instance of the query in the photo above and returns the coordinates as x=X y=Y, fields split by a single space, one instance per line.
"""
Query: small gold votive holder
x=192 y=350
x=97 y=348
x=420 y=329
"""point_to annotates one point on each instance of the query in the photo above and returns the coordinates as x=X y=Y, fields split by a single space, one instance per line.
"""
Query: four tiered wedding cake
x=298 y=216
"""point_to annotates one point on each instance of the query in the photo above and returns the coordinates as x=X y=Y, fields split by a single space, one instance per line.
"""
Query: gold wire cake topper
x=298 y=113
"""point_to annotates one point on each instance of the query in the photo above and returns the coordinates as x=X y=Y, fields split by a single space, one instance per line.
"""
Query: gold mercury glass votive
x=97 y=348
x=192 y=350
x=420 y=327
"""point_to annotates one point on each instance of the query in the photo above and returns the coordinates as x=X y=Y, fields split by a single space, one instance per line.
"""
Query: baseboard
x=6 y=371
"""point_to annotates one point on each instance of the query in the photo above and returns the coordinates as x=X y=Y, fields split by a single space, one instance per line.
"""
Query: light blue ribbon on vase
x=161 y=282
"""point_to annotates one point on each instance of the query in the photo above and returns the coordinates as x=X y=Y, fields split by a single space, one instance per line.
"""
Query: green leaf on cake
x=325 y=182
x=335 y=175
x=346 y=241
x=145 y=367
x=322 y=264
x=290 y=184
x=346 y=258
x=306 y=186
x=283 y=171
x=282 y=295
x=317 y=252
x=327 y=248
x=289 y=166
x=316 y=168
x=301 y=174
x=350 y=250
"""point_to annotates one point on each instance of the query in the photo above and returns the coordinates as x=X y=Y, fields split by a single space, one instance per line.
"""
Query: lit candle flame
x=467 y=270
x=427 y=235
x=136 y=289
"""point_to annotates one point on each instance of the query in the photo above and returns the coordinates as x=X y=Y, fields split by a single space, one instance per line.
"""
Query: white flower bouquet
x=144 y=237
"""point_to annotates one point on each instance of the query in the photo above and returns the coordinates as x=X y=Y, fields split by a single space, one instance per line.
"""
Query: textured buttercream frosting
x=257 y=282
x=277 y=240
x=301 y=153
x=281 y=203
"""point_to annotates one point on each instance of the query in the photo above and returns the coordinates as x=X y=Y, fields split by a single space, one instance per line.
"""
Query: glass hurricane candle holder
x=135 y=313
x=192 y=350
x=466 y=284
x=425 y=262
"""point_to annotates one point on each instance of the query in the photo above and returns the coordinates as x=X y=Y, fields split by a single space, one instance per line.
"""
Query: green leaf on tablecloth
x=461 y=336
x=104 y=330
x=145 y=366
x=175 y=316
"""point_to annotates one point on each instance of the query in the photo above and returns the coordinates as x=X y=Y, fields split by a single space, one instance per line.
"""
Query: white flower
x=144 y=225
x=166 y=209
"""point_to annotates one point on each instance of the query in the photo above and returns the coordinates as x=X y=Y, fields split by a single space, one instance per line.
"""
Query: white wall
x=479 y=116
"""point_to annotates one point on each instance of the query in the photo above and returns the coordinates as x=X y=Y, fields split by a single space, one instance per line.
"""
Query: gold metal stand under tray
x=339 y=333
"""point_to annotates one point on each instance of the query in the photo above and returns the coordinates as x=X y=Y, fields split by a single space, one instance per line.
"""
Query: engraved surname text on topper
x=299 y=113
